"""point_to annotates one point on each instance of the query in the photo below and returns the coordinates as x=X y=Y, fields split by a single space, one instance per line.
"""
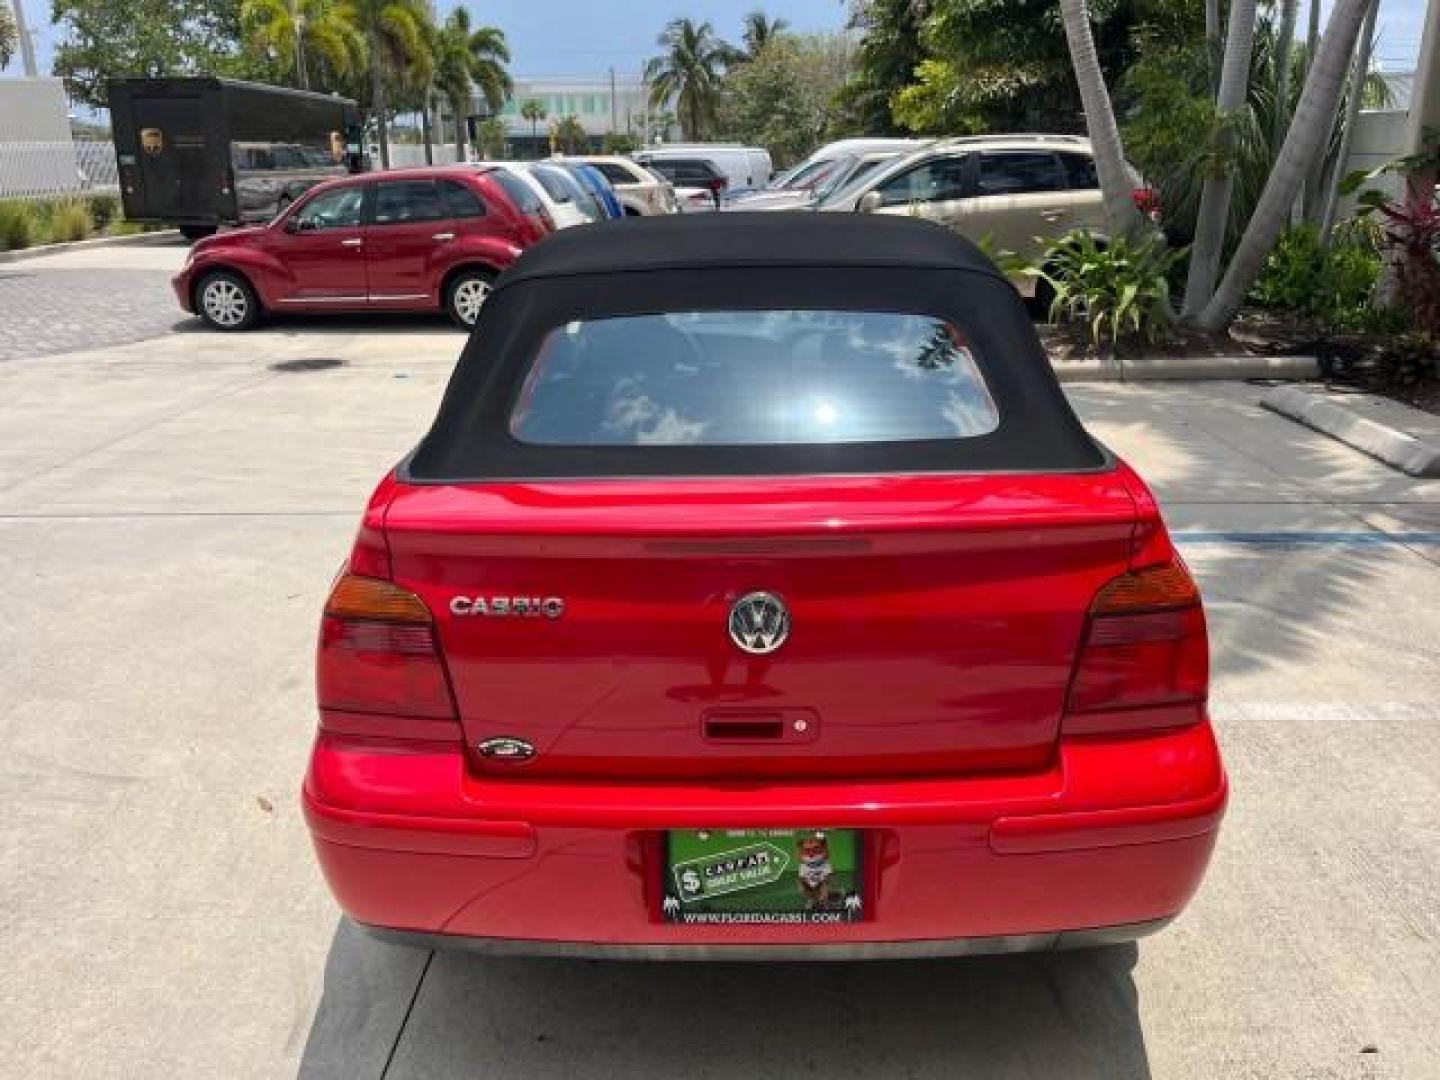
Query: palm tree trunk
x=459 y=131
x=1363 y=48
x=1310 y=202
x=1214 y=215
x=1284 y=46
x=1314 y=117
x=377 y=101
x=1115 y=185
x=1212 y=37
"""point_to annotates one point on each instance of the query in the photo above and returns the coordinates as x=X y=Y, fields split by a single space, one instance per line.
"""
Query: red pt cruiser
x=411 y=240
x=756 y=594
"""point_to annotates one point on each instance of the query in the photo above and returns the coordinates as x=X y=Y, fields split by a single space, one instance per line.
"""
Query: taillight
x=1147 y=201
x=379 y=658
x=1145 y=660
x=546 y=221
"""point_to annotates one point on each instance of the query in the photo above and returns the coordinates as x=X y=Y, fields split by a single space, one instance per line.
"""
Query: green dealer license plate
x=749 y=876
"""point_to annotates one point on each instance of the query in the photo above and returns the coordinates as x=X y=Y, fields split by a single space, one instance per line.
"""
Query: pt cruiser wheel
x=467 y=295
x=226 y=301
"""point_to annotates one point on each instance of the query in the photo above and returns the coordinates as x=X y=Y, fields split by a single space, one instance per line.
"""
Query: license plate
x=760 y=876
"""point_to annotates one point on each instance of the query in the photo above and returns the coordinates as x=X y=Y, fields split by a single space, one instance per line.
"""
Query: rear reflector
x=378 y=655
x=1145 y=660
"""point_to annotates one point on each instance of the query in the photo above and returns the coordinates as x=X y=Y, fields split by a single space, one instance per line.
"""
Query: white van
x=744 y=167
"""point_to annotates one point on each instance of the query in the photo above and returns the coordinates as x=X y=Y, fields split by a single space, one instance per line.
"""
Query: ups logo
x=152 y=141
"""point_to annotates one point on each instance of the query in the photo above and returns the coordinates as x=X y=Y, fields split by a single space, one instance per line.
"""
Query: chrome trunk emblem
x=759 y=623
x=506 y=748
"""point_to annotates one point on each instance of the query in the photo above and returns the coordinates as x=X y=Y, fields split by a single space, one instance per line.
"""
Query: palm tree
x=302 y=32
x=9 y=36
x=760 y=31
x=533 y=111
x=1289 y=13
x=466 y=57
x=1354 y=95
x=1314 y=119
x=689 y=73
x=1120 y=212
x=1215 y=196
x=570 y=134
x=395 y=37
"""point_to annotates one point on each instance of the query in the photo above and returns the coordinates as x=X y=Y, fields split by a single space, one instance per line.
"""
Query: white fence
x=37 y=169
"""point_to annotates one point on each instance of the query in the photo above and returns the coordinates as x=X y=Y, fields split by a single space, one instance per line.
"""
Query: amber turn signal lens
x=1153 y=589
x=354 y=597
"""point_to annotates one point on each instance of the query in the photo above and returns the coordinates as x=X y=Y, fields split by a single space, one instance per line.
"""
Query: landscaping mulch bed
x=1348 y=359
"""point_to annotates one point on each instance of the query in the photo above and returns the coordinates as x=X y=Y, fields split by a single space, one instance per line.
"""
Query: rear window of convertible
x=744 y=378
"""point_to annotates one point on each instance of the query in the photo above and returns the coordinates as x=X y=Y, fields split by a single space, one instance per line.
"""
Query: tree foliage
x=782 y=99
x=102 y=39
x=889 y=52
x=331 y=48
x=759 y=31
x=1004 y=65
x=467 y=56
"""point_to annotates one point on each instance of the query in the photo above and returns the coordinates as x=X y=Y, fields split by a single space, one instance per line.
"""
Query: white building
x=617 y=103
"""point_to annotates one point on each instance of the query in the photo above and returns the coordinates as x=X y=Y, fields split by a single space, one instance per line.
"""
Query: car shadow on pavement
x=396 y=1012
x=349 y=323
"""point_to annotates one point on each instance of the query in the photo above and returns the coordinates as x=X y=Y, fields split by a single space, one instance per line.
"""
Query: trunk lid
x=934 y=619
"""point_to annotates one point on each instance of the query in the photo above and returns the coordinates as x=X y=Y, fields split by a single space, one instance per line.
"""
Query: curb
x=1186 y=368
x=1396 y=448
x=81 y=245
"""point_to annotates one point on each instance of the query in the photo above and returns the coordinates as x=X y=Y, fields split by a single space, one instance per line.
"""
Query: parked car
x=571 y=203
x=816 y=184
x=743 y=167
x=642 y=193
x=593 y=181
x=683 y=172
x=756 y=594
x=1019 y=193
x=406 y=240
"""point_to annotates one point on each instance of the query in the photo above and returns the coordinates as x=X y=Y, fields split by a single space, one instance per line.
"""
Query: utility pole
x=27 y=46
x=614 y=104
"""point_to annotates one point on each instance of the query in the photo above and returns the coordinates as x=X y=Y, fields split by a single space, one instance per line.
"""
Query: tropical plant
x=466 y=57
x=1120 y=291
x=619 y=142
x=689 y=73
x=301 y=34
x=1332 y=287
x=760 y=31
x=568 y=134
x=1121 y=213
x=1313 y=122
x=9 y=36
x=397 y=38
x=17 y=227
x=533 y=111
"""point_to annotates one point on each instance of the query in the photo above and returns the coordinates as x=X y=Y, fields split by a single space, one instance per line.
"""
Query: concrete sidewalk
x=171 y=512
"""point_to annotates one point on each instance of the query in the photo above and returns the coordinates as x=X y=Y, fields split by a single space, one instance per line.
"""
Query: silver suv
x=1017 y=193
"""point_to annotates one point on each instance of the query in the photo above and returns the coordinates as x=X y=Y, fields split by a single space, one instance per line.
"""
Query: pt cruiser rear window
x=753 y=378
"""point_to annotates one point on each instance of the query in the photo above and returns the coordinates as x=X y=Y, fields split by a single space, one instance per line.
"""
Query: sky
x=587 y=37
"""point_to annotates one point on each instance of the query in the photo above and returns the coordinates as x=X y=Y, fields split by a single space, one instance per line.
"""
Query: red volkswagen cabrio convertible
x=756 y=594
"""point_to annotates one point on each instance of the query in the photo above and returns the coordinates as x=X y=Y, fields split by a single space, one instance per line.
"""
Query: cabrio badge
x=759 y=623
x=506 y=607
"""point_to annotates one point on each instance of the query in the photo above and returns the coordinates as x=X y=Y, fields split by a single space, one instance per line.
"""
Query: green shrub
x=1333 y=286
x=17 y=229
x=1119 y=290
x=69 y=220
x=104 y=209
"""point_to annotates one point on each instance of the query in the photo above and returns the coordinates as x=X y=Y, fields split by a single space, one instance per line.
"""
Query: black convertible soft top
x=786 y=261
x=754 y=239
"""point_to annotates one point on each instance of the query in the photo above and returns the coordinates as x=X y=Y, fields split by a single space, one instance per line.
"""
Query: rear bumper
x=1115 y=836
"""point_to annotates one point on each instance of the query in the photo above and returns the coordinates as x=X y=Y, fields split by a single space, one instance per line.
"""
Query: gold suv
x=1018 y=193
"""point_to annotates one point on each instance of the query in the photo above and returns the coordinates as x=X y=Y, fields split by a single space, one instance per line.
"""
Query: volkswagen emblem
x=759 y=623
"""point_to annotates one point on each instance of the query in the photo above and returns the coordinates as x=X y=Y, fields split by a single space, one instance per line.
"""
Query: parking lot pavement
x=170 y=514
x=88 y=298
